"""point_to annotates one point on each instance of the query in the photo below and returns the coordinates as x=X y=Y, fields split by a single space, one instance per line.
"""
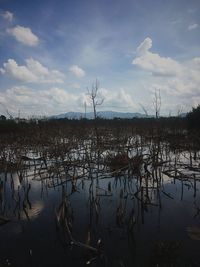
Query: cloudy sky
x=51 y=52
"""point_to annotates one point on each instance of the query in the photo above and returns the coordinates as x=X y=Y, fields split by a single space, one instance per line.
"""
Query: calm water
x=162 y=229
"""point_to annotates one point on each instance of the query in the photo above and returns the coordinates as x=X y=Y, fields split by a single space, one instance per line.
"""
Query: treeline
x=193 y=118
x=190 y=122
x=8 y=126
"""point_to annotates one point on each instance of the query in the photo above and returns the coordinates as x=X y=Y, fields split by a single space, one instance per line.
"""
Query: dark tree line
x=193 y=118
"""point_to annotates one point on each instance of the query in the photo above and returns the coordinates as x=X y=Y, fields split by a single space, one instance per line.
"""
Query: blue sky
x=52 y=51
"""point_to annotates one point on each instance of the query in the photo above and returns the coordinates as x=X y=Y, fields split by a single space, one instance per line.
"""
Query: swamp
x=115 y=193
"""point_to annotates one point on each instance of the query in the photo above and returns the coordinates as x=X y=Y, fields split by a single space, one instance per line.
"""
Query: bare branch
x=6 y=110
x=144 y=109
x=95 y=98
x=157 y=102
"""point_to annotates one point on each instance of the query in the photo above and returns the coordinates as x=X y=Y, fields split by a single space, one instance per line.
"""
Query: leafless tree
x=144 y=109
x=85 y=107
x=7 y=111
x=179 y=110
x=95 y=98
x=157 y=102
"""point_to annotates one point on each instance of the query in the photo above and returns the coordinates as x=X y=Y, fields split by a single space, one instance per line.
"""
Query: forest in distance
x=121 y=192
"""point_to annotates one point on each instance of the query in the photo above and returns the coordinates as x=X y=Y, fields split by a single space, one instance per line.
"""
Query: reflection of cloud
x=33 y=208
x=16 y=181
x=36 y=209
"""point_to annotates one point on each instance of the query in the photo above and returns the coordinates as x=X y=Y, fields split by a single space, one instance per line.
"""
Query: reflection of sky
x=168 y=222
x=33 y=212
x=22 y=197
x=16 y=181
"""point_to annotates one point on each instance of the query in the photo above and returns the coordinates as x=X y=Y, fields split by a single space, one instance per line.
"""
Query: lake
x=102 y=207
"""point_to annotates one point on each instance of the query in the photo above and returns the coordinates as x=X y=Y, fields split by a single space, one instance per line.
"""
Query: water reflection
x=32 y=210
x=110 y=210
x=16 y=198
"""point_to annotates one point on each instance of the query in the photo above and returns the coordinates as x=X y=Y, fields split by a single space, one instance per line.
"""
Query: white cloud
x=57 y=100
x=21 y=73
x=157 y=65
x=119 y=99
x=24 y=35
x=92 y=55
x=7 y=15
x=77 y=71
x=144 y=46
x=192 y=26
x=75 y=85
x=37 y=102
x=180 y=81
x=36 y=67
x=2 y=71
x=32 y=72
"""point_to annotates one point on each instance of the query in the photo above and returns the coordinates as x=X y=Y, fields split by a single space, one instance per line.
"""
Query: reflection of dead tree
x=64 y=216
x=157 y=102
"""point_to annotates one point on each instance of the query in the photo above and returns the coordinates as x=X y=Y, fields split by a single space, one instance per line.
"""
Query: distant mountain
x=101 y=114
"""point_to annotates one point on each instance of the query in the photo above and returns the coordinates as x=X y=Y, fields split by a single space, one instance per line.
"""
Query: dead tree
x=95 y=98
x=7 y=112
x=144 y=109
x=96 y=101
x=157 y=102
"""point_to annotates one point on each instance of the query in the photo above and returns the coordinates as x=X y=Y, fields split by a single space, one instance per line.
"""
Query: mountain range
x=101 y=114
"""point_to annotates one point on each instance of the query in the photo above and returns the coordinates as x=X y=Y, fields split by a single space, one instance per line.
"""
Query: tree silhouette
x=193 y=118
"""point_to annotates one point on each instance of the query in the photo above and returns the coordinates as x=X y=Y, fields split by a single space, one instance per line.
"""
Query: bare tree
x=179 y=110
x=95 y=98
x=85 y=107
x=157 y=102
x=96 y=101
x=144 y=109
x=6 y=110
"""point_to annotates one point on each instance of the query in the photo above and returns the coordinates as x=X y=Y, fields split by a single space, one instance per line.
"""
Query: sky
x=53 y=51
